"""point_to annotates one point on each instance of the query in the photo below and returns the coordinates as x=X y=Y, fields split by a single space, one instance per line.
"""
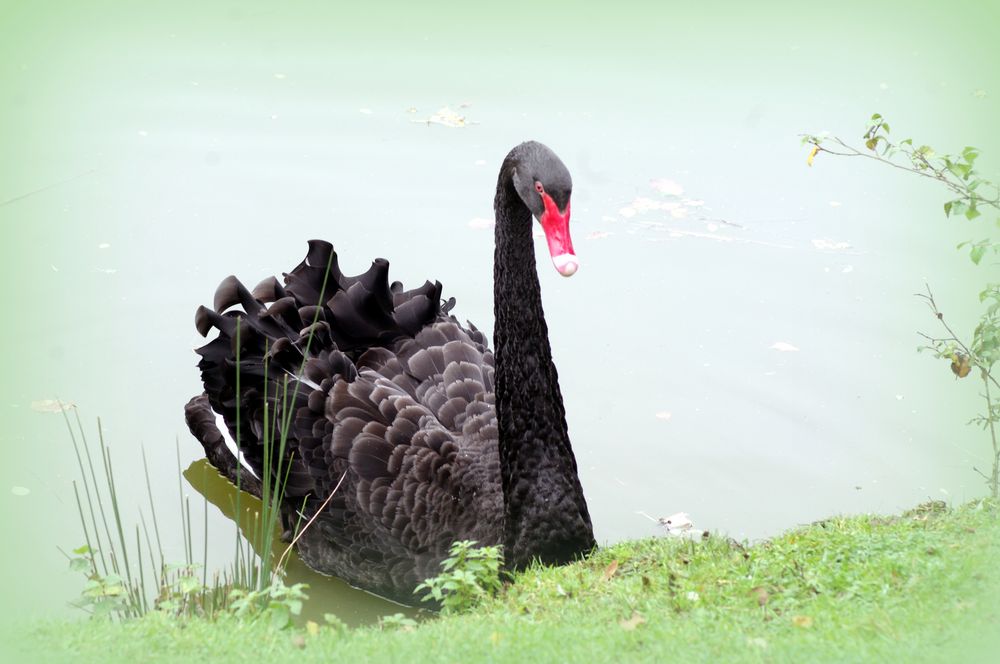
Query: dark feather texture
x=428 y=437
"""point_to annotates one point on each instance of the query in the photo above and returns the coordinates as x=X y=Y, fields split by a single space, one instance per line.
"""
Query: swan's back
x=391 y=409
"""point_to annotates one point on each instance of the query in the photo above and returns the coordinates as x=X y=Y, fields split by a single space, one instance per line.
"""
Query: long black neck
x=545 y=515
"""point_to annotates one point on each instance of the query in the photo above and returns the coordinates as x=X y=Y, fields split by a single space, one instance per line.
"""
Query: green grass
x=923 y=586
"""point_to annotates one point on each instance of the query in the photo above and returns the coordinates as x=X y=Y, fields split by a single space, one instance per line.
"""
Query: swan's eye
x=539 y=188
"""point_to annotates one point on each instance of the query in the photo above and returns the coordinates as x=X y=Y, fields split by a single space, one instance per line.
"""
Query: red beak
x=556 y=227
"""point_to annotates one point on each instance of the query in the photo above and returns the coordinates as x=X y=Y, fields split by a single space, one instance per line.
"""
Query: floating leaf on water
x=666 y=186
x=51 y=406
x=20 y=490
x=480 y=223
x=827 y=244
x=446 y=117
x=784 y=347
x=633 y=622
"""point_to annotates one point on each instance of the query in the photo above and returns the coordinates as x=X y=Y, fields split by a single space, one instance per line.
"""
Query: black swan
x=421 y=435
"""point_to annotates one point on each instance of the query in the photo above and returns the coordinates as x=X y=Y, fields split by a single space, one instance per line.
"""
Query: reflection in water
x=326 y=594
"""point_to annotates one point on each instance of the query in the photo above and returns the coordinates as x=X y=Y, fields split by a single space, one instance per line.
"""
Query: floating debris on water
x=678 y=525
x=447 y=118
x=51 y=406
x=666 y=186
x=826 y=244
x=20 y=490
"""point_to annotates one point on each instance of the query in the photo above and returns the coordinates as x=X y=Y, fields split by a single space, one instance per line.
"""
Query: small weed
x=276 y=603
x=469 y=575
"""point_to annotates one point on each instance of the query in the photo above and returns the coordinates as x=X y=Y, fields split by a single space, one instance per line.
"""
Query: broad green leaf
x=957 y=208
x=79 y=565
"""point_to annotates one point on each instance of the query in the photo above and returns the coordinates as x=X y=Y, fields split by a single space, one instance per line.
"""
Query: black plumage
x=429 y=436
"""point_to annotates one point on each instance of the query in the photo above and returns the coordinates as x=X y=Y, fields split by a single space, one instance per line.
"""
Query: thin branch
x=299 y=534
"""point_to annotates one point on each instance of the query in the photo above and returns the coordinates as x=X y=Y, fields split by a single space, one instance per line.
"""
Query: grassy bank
x=922 y=586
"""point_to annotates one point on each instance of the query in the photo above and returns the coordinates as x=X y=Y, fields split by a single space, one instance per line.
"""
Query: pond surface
x=739 y=343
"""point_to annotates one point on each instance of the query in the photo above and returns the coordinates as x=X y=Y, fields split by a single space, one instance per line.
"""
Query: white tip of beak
x=566 y=264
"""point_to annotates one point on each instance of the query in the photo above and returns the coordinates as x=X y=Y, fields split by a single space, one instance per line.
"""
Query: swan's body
x=426 y=436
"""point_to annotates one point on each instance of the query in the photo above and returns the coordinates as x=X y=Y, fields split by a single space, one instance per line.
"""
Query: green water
x=151 y=152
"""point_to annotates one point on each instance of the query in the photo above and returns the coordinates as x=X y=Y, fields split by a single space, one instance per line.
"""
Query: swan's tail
x=282 y=347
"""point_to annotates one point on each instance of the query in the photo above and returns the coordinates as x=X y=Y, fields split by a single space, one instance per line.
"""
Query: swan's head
x=544 y=184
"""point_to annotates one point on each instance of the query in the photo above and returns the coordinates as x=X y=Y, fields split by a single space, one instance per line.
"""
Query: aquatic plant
x=127 y=579
x=972 y=193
